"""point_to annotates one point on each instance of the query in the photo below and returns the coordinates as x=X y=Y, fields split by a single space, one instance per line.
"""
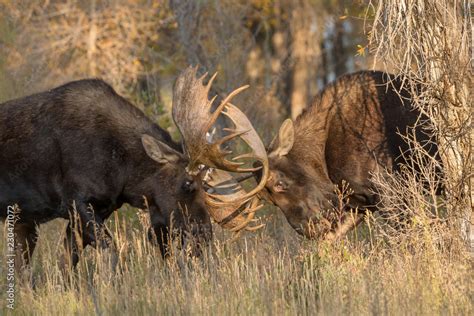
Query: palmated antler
x=228 y=203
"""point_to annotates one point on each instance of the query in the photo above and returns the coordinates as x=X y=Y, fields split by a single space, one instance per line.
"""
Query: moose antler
x=228 y=203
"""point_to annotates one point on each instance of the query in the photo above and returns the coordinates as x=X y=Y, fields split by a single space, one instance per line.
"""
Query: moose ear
x=282 y=144
x=159 y=151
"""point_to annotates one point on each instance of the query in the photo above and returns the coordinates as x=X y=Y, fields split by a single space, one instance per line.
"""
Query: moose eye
x=280 y=186
x=188 y=186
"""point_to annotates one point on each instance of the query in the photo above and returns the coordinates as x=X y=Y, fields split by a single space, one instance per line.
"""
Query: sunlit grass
x=270 y=272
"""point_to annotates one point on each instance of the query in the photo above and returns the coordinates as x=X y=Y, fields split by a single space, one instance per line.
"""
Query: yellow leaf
x=360 y=50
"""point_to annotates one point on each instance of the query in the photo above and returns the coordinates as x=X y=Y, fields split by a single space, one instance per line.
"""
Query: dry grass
x=270 y=272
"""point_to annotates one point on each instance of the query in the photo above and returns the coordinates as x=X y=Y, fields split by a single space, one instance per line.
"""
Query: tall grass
x=269 y=272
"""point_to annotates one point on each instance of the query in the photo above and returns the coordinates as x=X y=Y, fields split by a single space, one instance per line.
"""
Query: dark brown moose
x=79 y=152
x=354 y=127
x=358 y=125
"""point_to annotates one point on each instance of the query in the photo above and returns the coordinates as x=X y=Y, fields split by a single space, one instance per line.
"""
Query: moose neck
x=144 y=175
x=311 y=133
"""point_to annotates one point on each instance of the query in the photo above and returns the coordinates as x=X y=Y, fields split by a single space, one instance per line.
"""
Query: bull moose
x=79 y=152
x=354 y=127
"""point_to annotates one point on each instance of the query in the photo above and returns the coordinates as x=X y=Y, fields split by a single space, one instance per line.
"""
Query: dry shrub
x=412 y=215
x=427 y=44
x=57 y=41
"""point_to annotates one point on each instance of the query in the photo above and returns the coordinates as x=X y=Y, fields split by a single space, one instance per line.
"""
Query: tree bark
x=300 y=76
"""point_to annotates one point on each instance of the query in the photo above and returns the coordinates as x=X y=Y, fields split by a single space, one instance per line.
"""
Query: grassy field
x=270 y=272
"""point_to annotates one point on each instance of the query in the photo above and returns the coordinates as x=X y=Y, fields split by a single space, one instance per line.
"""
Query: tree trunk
x=300 y=76
x=91 y=41
x=339 y=53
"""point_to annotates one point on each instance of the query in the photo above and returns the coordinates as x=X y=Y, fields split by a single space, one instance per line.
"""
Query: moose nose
x=189 y=186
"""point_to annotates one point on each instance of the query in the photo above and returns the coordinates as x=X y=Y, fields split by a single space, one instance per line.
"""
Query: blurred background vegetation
x=286 y=50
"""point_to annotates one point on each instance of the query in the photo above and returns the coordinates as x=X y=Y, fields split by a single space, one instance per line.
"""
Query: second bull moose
x=354 y=127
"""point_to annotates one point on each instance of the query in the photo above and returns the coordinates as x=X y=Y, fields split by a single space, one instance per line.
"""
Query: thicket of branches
x=427 y=43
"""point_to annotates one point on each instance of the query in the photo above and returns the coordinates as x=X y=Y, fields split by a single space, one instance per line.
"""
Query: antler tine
x=229 y=137
x=222 y=105
x=254 y=208
x=249 y=211
x=203 y=76
x=209 y=83
x=194 y=71
x=242 y=225
x=248 y=218
x=254 y=228
x=216 y=200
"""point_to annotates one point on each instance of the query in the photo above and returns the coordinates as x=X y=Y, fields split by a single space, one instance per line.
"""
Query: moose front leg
x=73 y=244
x=349 y=222
x=84 y=228
x=26 y=236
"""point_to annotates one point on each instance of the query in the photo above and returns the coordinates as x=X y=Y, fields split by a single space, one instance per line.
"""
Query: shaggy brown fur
x=351 y=130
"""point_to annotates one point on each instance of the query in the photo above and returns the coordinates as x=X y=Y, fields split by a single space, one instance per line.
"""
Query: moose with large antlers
x=357 y=126
x=79 y=152
x=353 y=128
